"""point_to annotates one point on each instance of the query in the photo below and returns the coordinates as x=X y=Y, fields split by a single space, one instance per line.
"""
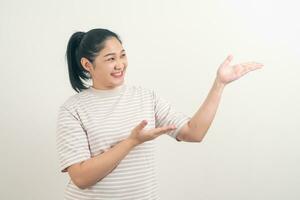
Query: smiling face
x=109 y=67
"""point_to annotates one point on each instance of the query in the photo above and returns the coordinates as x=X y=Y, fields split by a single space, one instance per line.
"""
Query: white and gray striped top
x=92 y=121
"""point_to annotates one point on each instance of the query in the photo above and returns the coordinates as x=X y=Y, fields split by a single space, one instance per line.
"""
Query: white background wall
x=251 y=151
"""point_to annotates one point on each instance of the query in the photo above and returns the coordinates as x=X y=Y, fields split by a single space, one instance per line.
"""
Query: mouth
x=118 y=74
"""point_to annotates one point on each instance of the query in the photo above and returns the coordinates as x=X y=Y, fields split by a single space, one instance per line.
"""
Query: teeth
x=117 y=74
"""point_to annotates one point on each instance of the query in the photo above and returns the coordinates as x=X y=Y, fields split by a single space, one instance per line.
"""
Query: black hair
x=86 y=45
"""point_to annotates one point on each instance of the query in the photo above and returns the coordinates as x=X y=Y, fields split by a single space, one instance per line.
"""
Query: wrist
x=219 y=84
x=131 y=142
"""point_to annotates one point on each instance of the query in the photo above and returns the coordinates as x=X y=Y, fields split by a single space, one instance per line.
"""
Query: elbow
x=78 y=180
x=194 y=134
x=202 y=136
x=77 y=176
x=193 y=138
x=79 y=183
x=199 y=138
x=82 y=183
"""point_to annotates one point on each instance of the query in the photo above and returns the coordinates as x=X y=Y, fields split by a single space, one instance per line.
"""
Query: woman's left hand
x=227 y=73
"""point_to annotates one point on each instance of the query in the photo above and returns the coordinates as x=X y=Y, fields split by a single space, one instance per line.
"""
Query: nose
x=119 y=65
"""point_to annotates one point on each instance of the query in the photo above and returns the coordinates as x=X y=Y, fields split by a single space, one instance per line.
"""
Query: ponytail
x=86 y=45
x=76 y=71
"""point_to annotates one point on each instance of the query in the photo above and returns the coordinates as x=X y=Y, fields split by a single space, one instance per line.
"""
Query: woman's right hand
x=138 y=135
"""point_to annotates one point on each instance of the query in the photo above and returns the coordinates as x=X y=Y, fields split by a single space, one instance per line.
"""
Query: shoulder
x=72 y=102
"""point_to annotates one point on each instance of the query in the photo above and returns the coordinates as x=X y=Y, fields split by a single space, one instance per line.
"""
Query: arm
x=195 y=129
x=92 y=170
x=89 y=172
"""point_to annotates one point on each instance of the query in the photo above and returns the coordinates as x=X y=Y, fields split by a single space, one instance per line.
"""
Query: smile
x=117 y=75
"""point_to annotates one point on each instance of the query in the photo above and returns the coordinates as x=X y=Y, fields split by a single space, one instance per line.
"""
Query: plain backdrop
x=250 y=152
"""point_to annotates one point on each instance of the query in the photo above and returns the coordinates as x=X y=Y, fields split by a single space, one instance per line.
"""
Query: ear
x=86 y=64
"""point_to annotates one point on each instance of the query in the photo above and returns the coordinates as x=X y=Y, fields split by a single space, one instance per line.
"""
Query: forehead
x=111 y=45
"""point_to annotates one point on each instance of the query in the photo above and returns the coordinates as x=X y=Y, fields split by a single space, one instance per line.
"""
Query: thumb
x=227 y=60
x=141 y=125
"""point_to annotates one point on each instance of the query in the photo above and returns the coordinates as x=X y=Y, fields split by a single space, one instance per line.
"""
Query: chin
x=118 y=83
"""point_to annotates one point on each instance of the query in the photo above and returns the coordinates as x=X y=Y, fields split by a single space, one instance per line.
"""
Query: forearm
x=96 y=168
x=202 y=119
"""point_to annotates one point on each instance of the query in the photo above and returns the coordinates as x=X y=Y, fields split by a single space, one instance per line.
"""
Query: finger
x=141 y=125
x=162 y=130
x=251 y=66
x=227 y=60
x=242 y=69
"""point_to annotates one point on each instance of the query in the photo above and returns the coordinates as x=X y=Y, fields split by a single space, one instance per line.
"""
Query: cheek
x=104 y=67
x=125 y=62
x=105 y=71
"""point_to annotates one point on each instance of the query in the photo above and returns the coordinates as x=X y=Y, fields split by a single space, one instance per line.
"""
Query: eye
x=123 y=55
x=111 y=59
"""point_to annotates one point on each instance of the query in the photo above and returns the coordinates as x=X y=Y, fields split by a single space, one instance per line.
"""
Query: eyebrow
x=109 y=54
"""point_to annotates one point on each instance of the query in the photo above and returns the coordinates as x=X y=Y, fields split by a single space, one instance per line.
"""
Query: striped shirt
x=93 y=121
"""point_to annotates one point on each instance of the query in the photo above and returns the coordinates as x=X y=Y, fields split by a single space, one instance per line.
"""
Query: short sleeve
x=71 y=139
x=165 y=114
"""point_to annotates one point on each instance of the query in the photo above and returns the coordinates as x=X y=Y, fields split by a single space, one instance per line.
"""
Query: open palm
x=227 y=73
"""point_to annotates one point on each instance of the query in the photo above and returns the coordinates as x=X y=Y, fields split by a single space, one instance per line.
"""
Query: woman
x=106 y=132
